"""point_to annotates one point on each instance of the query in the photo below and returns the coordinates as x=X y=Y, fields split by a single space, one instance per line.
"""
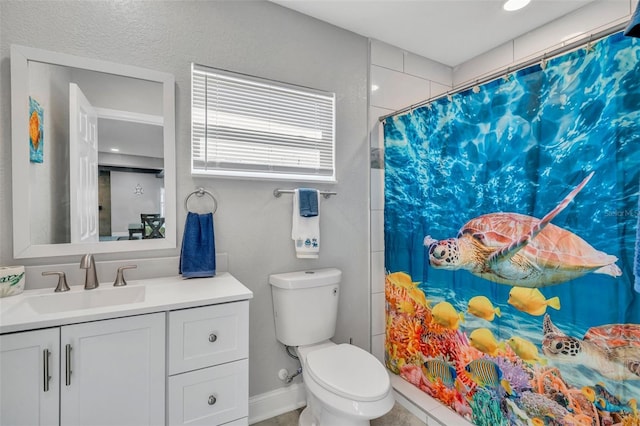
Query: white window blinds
x=249 y=127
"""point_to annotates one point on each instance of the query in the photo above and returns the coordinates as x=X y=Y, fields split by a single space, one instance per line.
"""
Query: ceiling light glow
x=511 y=5
x=115 y=149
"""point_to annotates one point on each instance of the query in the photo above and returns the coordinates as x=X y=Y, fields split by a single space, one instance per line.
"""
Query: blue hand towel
x=308 y=202
x=198 y=253
x=636 y=259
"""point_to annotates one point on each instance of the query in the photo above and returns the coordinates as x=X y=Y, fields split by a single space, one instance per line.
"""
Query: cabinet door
x=113 y=372
x=29 y=386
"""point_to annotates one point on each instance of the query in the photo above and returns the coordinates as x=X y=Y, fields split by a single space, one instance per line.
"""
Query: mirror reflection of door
x=104 y=203
x=83 y=173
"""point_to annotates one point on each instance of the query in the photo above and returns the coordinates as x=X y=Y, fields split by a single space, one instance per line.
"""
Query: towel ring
x=201 y=192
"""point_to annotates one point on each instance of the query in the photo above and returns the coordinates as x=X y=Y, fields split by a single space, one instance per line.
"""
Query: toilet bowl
x=346 y=386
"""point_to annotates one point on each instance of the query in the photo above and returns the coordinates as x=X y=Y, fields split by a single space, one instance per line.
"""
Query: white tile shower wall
x=427 y=69
x=398 y=79
x=377 y=346
x=375 y=139
x=396 y=90
x=385 y=55
x=377 y=314
x=377 y=270
x=592 y=18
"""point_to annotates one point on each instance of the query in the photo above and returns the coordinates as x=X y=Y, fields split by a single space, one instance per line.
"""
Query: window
x=249 y=127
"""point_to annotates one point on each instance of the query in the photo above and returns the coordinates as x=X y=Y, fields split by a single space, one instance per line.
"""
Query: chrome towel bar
x=278 y=192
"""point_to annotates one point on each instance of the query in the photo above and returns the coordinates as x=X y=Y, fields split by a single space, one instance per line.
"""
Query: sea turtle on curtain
x=520 y=250
x=612 y=349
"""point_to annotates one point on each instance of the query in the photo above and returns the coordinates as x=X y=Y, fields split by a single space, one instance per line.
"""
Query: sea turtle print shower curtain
x=511 y=212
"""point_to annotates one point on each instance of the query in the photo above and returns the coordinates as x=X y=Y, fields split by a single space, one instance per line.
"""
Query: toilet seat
x=348 y=371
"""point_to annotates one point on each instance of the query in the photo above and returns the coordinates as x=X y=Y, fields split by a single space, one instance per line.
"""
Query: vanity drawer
x=211 y=396
x=206 y=336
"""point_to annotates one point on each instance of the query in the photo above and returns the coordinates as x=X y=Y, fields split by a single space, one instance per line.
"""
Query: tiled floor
x=398 y=416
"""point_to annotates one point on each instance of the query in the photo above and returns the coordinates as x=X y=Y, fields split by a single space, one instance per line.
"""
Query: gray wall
x=49 y=179
x=252 y=226
x=126 y=205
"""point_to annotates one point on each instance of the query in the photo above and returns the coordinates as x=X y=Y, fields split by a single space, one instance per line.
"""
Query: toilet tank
x=305 y=305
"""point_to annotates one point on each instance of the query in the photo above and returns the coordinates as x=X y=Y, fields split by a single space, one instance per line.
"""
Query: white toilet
x=345 y=385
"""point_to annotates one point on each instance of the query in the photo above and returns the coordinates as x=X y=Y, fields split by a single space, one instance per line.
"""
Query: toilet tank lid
x=306 y=279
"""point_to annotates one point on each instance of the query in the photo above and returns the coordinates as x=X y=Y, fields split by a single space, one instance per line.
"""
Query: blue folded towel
x=308 y=202
x=636 y=259
x=198 y=253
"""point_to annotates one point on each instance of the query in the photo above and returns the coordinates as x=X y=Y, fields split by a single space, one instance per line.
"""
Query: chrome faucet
x=91 y=280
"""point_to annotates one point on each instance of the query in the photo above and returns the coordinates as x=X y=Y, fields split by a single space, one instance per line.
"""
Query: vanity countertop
x=43 y=308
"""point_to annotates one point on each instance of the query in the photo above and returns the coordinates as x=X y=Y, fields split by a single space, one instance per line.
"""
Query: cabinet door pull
x=67 y=350
x=212 y=400
x=45 y=355
x=213 y=337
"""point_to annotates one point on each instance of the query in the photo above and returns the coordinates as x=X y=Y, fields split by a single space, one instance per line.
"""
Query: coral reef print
x=510 y=227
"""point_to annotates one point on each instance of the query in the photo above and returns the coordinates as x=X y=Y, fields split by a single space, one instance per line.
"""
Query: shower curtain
x=510 y=226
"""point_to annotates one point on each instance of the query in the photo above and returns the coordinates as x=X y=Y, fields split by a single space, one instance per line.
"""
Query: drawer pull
x=67 y=350
x=45 y=355
x=213 y=337
x=212 y=400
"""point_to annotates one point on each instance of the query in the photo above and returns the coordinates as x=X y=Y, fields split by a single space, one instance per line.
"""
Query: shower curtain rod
x=507 y=70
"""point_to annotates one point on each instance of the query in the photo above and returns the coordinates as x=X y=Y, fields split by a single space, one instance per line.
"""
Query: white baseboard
x=276 y=402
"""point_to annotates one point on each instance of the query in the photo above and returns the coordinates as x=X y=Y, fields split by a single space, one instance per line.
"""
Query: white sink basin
x=43 y=308
x=85 y=299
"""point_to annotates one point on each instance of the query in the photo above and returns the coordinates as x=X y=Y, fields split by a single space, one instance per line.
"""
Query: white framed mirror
x=93 y=156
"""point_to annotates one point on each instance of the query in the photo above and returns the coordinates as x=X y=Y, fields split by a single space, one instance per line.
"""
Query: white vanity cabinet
x=176 y=355
x=29 y=379
x=208 y=365
x=103 y=372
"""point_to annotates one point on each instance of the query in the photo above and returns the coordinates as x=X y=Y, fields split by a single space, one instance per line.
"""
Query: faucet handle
x=120 y=281
x=62 y=281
